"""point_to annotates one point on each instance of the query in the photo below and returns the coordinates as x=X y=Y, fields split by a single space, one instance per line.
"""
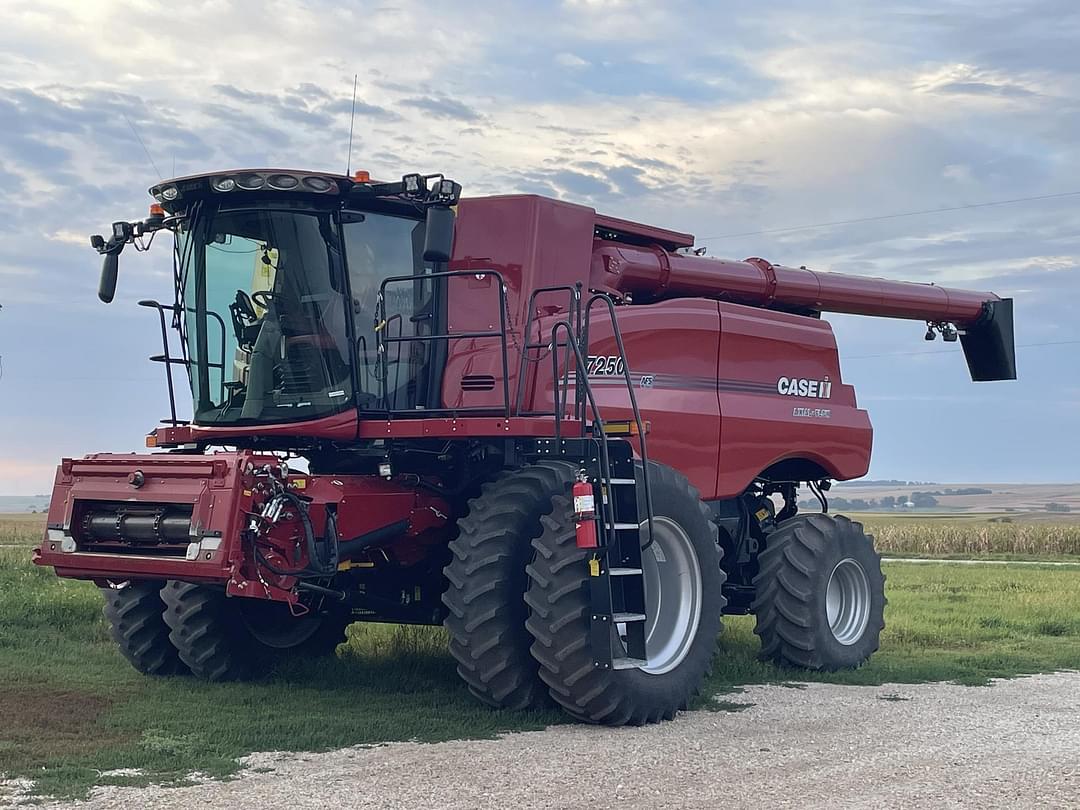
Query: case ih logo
x=796 y=387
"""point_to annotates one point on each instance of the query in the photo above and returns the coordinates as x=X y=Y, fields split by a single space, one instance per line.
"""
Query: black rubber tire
x=790 y=588
x=214 y=642
x=559 y=602
x=486 y=584
x=319 y=641
x=136 y=624
x=209 y=638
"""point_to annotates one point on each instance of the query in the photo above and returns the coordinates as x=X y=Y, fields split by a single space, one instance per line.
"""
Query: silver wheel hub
x=847 y=601
x=673 y=595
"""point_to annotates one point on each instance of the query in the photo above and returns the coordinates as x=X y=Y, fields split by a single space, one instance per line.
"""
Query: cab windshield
x=278 y=302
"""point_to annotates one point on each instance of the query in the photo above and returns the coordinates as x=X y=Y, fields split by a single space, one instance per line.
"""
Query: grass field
x=73 y=710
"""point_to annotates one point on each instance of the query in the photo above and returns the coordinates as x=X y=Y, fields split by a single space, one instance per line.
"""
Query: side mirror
x=107 y=285
x=439 y=234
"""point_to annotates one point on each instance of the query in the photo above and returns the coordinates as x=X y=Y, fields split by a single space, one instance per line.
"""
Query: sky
x=736 y=121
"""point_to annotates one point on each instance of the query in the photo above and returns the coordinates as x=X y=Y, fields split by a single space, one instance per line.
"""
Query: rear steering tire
x=820 y=594
x=134 y=613
x=223 y=639
x=486 y=584
x=683 y=582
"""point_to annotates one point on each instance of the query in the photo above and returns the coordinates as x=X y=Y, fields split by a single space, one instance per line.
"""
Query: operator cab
x=282 y=304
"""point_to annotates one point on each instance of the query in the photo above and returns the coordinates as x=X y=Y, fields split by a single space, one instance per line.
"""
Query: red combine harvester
x=568 y=438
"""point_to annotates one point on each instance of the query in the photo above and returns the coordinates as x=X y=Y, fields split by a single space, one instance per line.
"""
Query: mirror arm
x=122 y=234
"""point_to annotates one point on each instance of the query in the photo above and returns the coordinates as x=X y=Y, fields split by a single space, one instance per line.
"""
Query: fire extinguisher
x=584 y=512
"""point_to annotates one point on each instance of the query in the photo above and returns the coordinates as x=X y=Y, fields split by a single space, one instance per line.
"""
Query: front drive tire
x=228 y=639
x=679 y=661
x=820 y=594
x=134 y=613
x=486 y=584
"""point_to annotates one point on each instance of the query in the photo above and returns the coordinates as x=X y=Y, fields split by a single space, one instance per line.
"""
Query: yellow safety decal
x=761 y=514
x=300 y=483
x=594 y=567
x=247 y=493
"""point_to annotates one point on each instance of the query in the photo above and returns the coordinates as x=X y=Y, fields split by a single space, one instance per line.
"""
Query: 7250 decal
x=605 y=364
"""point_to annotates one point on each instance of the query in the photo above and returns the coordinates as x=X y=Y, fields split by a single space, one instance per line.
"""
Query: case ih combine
x=561 y=435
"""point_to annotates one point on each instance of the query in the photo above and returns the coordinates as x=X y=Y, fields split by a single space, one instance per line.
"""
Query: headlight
x=223 y=184
x=170 y=193
x=319 y=184
x=250 y=182
x=284 y=182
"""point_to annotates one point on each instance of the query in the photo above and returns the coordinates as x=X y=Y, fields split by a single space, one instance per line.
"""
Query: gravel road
x=1015 y=744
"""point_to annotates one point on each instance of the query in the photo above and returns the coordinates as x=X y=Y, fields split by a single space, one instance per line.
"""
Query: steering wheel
x=263 y=298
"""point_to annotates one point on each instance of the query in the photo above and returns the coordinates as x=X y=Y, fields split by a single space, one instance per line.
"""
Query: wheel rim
x=672 y=596
x=274 y=626
x=847 y=601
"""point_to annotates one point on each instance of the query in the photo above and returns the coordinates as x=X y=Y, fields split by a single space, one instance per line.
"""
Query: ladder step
x=628 y=663
x=619 y=527
x=619 y=618
x=622 y=481
x=624 y=572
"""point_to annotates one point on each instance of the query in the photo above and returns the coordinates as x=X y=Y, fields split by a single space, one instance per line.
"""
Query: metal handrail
x=574 y=308
x=167 y=358
x=380 y=341
x=170 y=361
x=638 y=422
x=608 y=504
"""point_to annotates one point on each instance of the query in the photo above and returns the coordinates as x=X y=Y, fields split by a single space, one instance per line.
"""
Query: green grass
x=72 y=707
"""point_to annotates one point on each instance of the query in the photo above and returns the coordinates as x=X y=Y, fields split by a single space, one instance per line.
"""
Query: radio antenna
x=135 y=132
x=352 y=120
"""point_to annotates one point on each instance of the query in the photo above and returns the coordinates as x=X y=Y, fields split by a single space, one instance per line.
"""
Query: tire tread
x=784 y=601
x=558 y=599
x=137 y=625
x=486 y=584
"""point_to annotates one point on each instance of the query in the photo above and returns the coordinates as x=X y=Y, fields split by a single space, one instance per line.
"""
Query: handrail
x=574 y=312
x=169 y=361
x=381 y=340
x=617 y=334
x=608 y=504
x=166 y=357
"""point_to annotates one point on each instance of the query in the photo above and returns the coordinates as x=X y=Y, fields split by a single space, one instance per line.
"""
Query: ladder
x=618 y=617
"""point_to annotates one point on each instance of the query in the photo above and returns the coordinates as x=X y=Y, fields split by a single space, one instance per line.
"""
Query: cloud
x=570 y=60
x=985 y=89
x=443 y=108
x=962 y=79
x=344 y=106
x=579 y=183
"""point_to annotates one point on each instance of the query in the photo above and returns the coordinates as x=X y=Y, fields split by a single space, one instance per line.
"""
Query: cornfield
x=974 y=537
